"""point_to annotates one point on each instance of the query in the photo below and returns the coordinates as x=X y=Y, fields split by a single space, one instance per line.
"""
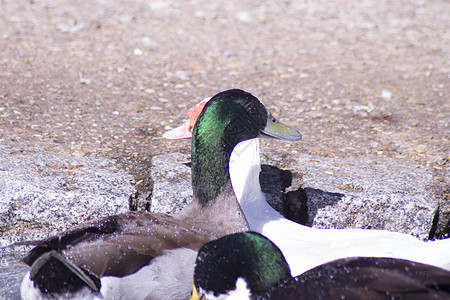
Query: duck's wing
x=368 y=278
x=121 y=244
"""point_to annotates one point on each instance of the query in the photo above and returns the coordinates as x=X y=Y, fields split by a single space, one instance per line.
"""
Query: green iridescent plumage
x=220 y=263
x=235 y=116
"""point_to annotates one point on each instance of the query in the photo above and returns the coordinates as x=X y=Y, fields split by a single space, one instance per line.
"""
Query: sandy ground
x=107 y=78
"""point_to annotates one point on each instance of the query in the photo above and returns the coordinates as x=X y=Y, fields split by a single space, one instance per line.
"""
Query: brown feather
x=120 y=245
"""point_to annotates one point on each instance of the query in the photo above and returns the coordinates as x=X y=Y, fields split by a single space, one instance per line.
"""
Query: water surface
x=12 y=271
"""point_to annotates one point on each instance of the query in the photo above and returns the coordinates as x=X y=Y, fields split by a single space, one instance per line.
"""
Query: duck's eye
x=274 y=120
x=249 y=107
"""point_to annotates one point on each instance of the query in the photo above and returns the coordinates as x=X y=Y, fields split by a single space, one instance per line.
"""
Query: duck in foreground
x=317 y=246
x=246 y=265
x=141 y=254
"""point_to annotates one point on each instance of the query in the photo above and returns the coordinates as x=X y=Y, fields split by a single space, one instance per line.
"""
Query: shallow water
x=12 y=271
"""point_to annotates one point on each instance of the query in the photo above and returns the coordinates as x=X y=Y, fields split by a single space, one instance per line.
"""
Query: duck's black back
x=367 y=278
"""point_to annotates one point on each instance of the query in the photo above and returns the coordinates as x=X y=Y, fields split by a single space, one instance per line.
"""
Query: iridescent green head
x=228 y=118
x=247 y=256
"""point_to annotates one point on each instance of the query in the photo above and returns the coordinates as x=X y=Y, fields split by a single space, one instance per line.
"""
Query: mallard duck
x=317 y=246
x=246 y=265
x=86 y=261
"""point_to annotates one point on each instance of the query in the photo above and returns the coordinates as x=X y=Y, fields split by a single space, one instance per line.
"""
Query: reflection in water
x=12 y=271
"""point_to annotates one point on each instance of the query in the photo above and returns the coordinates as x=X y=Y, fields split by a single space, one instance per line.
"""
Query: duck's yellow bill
x=194 y=295
x=277 y=130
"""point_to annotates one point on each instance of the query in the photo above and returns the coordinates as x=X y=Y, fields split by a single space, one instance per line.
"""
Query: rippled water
x=12 y=271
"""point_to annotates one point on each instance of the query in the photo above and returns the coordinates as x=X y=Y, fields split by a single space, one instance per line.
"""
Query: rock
x=272 y=180
x=43 y=194
x=440 y=189
x=369 y=193
x=172 y=189
x=295 y=206
x=283 y=194
x=359 y=193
